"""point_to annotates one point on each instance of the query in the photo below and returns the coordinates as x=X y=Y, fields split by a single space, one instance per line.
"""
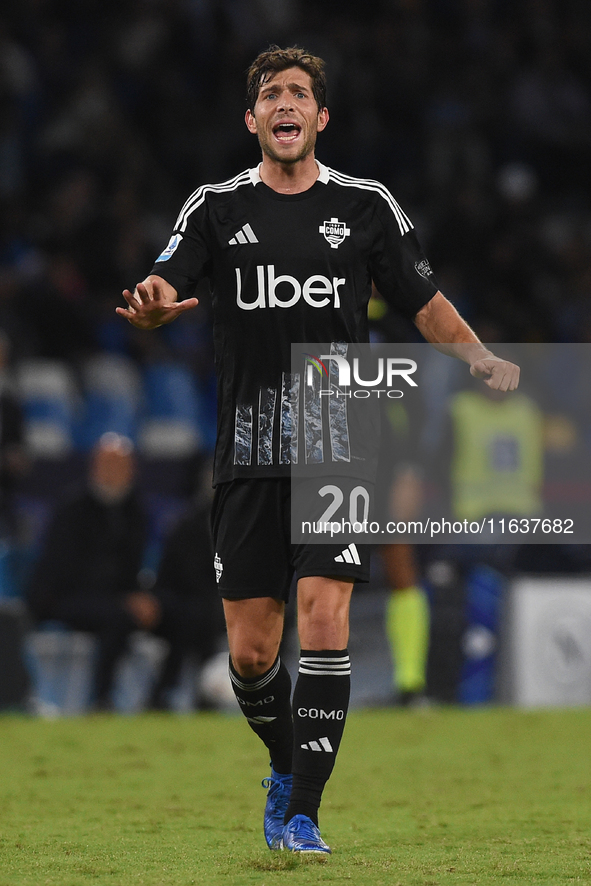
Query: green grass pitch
x=417 y=799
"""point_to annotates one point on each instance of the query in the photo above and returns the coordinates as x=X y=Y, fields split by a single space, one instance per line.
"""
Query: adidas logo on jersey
x=322 y=744
x=349 y=555
x=244 y=235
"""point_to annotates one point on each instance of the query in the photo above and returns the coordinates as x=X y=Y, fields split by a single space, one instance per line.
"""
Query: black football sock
x=266 y=704
x=320 y=702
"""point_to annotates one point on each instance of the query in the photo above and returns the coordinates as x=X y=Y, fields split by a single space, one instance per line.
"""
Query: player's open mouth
x=286 y=132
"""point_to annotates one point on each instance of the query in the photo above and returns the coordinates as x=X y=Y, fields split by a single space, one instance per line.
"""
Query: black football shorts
x=254 y=556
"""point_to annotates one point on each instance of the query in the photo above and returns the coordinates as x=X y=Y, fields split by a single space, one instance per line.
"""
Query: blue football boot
x=278 y=794
x=300 y=834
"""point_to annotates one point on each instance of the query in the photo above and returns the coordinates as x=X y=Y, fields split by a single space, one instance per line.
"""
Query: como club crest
x=334 y=232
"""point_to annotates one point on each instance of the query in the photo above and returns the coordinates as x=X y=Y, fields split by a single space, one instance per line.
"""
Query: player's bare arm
x=441 y=325
x=153 y=303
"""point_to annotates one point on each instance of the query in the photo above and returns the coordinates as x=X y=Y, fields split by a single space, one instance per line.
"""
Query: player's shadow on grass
x=283 y=861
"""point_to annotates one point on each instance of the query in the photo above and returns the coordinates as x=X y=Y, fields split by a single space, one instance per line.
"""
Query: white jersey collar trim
x=323 y=173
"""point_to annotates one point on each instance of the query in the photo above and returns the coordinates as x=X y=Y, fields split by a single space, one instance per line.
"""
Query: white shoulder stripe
x=347 y=181
x=404 y=223
x=198 y=196
x=351 y=180
x=197 y=193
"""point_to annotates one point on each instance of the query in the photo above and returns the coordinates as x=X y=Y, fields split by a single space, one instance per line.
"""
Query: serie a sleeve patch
x=171 y=248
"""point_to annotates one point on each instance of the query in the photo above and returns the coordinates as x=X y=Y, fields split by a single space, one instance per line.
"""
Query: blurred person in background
x=14 y=677
x=488 y=464
x=87 y=574
x=186 y=589
x=407 y=622
x=407 y=617
x=13 y=458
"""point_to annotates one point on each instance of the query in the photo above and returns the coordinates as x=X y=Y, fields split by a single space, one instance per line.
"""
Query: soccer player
x=290 y=248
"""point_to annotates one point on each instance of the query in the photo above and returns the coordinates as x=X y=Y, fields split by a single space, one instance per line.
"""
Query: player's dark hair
x=274 y=59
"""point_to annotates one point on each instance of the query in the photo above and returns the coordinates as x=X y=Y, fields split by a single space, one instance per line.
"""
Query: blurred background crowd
x=475 y=113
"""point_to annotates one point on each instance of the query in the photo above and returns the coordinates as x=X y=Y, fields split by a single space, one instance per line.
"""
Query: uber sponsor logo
x=285 y=291
x=319 y=714
x=218 y=566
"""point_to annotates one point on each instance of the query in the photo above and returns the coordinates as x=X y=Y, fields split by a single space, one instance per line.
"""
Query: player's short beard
x=306 y=149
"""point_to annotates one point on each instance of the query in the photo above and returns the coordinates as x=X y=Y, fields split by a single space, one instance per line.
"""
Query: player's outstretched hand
x=153 y=304
x=498 y=374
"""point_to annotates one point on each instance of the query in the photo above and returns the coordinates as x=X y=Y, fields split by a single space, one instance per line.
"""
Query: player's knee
x=253 y=661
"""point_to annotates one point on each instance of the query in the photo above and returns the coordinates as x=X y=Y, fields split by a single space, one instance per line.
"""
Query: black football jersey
x=285 y=269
